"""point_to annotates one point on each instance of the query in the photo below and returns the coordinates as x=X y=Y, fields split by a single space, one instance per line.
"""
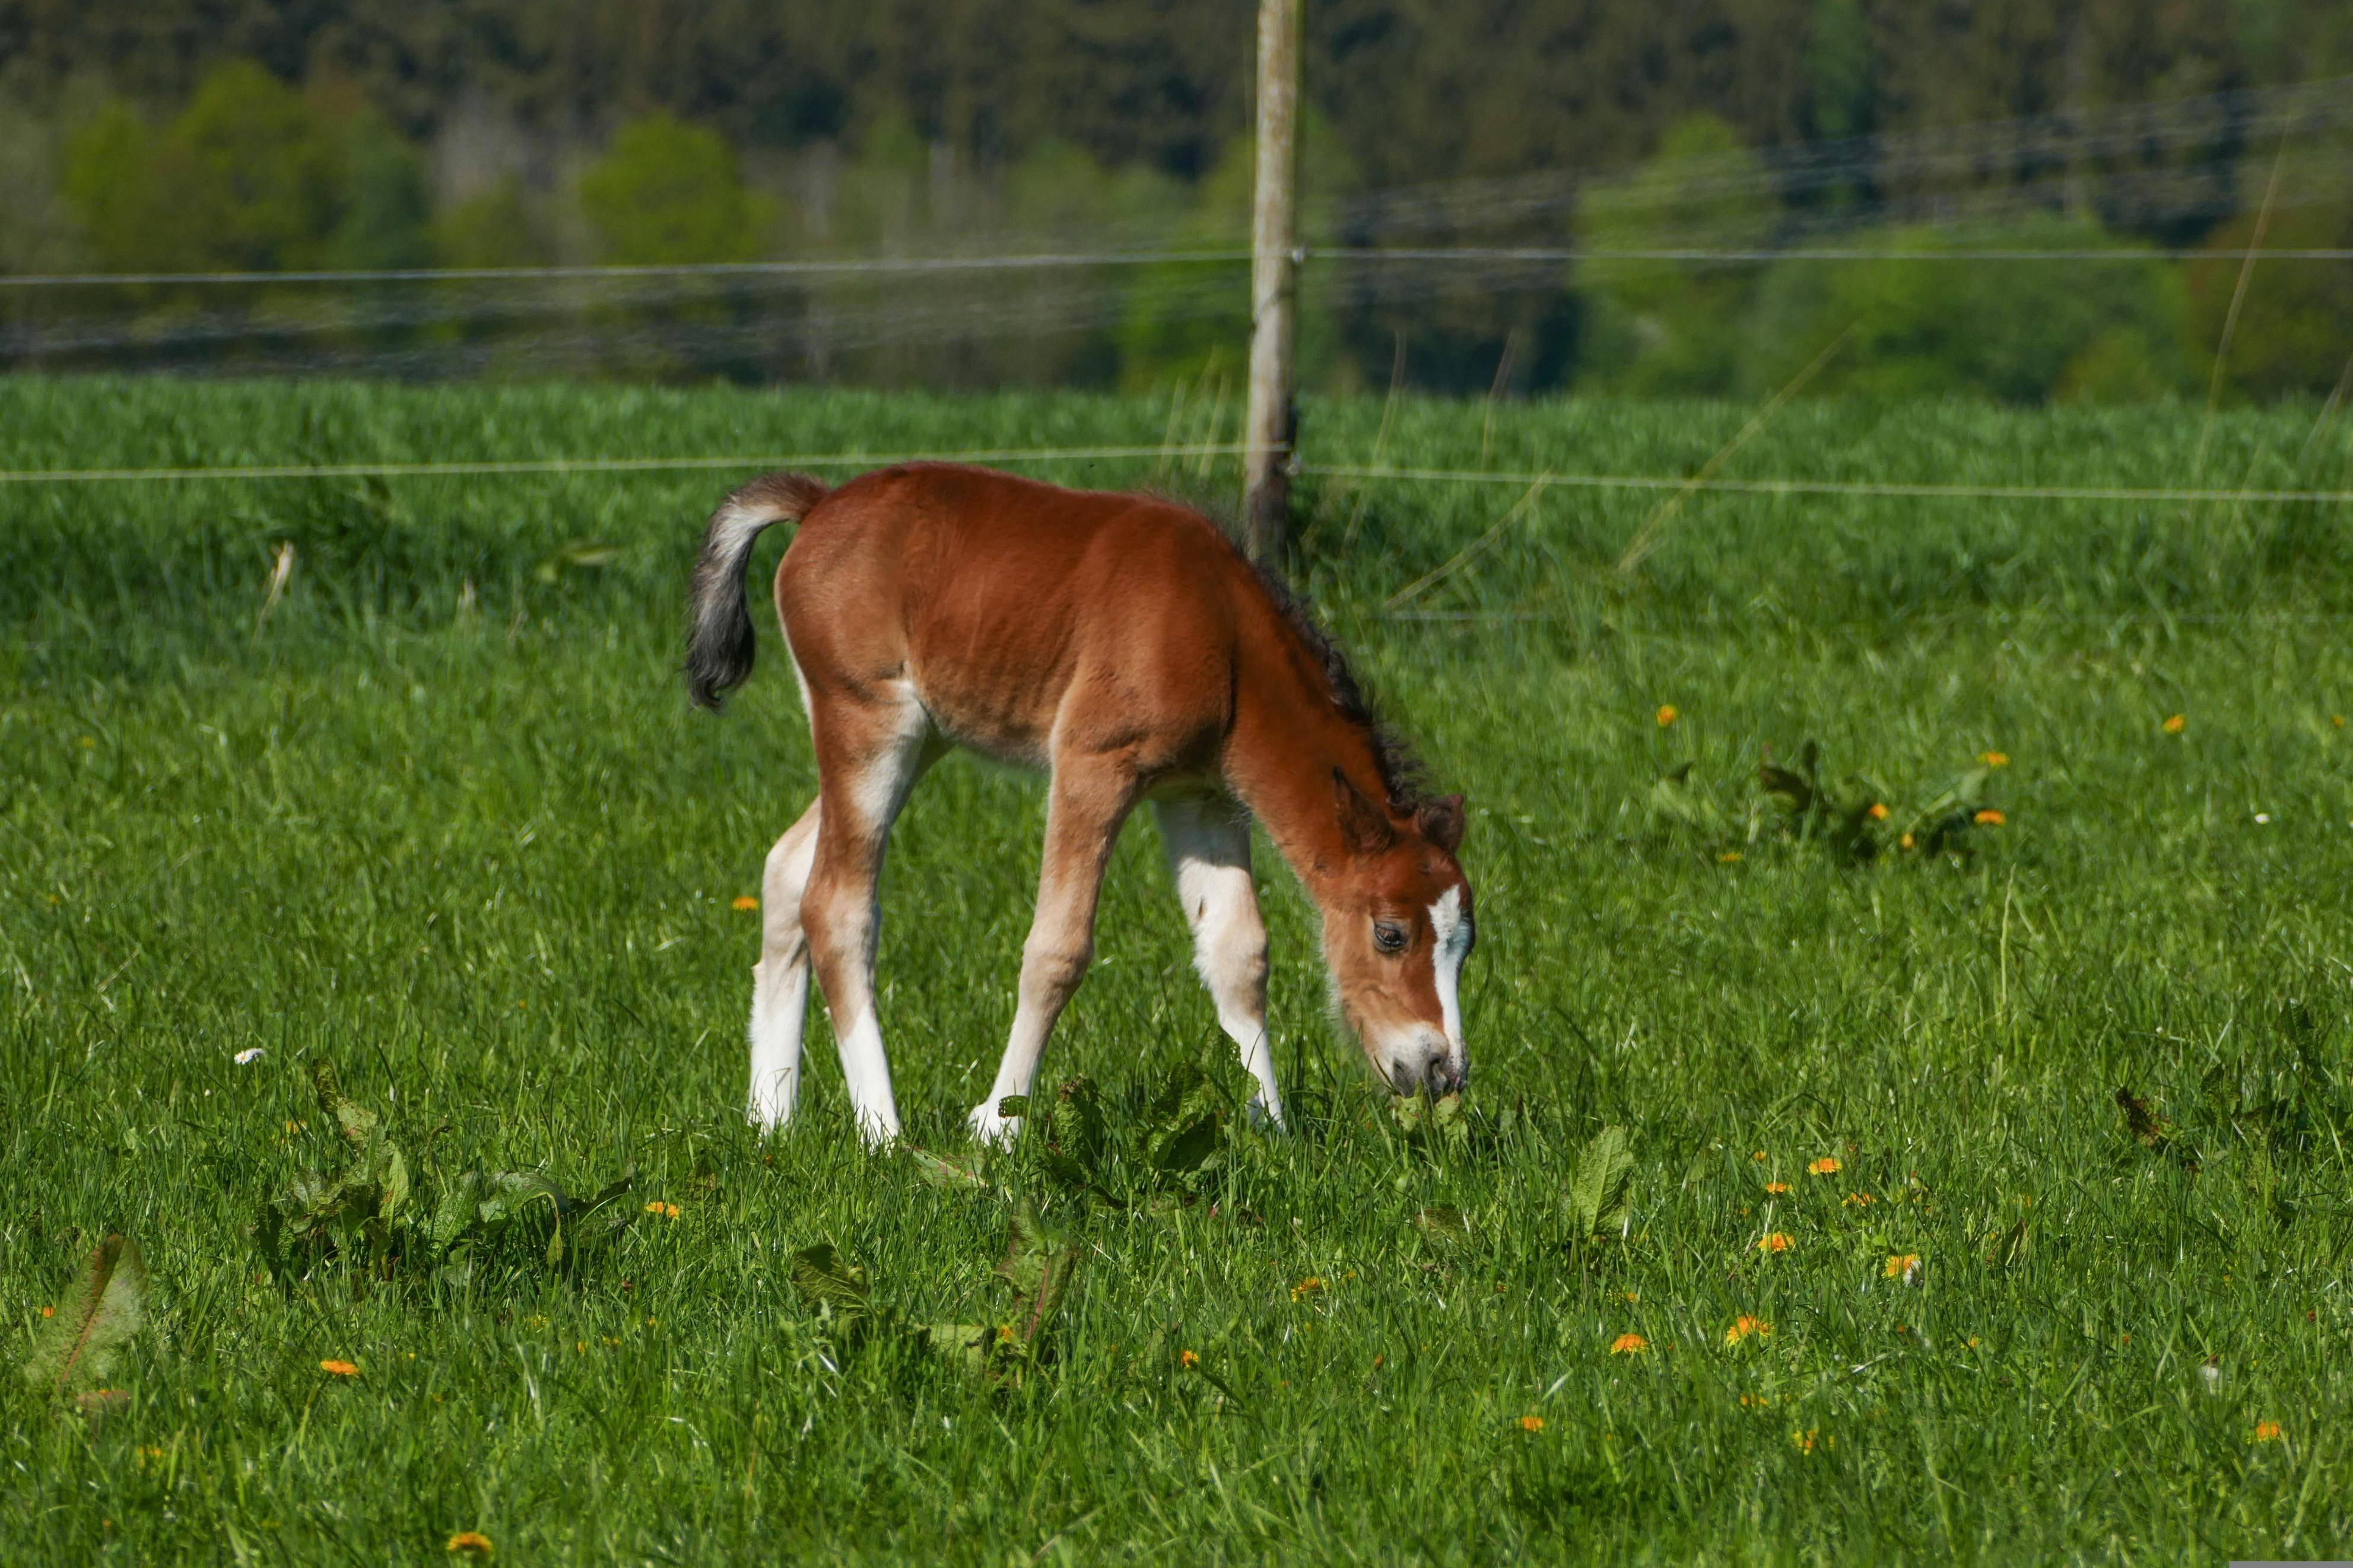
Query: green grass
x=473 y=847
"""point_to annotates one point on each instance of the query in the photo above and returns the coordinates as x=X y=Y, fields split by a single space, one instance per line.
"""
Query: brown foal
x=1123 y=644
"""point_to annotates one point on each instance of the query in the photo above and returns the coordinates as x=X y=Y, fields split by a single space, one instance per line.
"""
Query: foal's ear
x=1362 y=824
x=1441 y=822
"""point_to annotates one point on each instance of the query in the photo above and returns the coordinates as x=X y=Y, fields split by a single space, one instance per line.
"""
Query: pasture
x=442 y=816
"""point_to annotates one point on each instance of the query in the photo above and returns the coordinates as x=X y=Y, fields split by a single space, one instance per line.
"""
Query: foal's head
x=1396 y=927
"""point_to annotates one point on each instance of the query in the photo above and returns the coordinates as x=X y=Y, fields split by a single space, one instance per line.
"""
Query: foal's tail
x=719 y=653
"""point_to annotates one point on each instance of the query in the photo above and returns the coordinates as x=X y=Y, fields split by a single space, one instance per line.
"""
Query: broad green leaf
x=944 y=1173
x=355 y=1121
x=1600 y=1184
x=968 y=1345
x=826 y=1279
x=93 y=1321
x=1039 y=1262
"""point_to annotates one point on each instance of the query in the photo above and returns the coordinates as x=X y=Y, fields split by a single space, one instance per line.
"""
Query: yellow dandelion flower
x=1308 y=1287
x=1805 y=1441
x=340 y=1368
x=1878 y=811
x=1531 y=1423
x=667 y=1210
x=472 y=1543
x=1629 y=1345
x=1728 y=857
x=2270 y=1432
x=1188 y=1358
x=1907 y=841
x=1995 y=759
x=1858 y=1200
x=1988 y=817
x=1828 y=1165
x=1777 y=1242
x=747 y=901
x=1973 y=1342
x=1758 y=1156
x=1745 y=1327
x=1900 y=1264
x=1667 y=714
x=2176 y=724
x=1777 y=1186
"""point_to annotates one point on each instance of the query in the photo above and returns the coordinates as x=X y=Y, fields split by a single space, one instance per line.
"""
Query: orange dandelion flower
x=1777 y=1242
x=1531 y=1423
x=49 y=1311
x=1973 y=1342
x=1878 y=811
x=2175 y=725
x=473 y=1542
x=1629 y=1345
x=1988 y=817
x=2270 y=1432
x=1744 y=1327
x=1900 y=1264
x=747 y=903
x=1777 y=1186
x=1758 y=1156
x=1995 y=759
x=1859 y=1200
x=667 y=1210
x=1188 y=1358
x=1728 y=857
x=1828 y=1165
x=1667 y=715
x=1805 y=1441
x=1907 y=841
x=340 y=1368
x=1308 y=1286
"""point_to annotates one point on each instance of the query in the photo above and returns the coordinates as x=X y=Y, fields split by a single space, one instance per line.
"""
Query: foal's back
x=1028 y=618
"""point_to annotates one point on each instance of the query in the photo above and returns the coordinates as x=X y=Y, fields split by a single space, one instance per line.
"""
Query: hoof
x=989 y=1128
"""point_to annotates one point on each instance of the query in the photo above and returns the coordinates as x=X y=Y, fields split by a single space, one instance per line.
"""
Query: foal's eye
x=1389 y=938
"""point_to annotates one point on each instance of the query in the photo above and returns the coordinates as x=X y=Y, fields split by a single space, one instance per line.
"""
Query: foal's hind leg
x=871 y=748
x=1090 y=798
x=780 y=981
x=1209 y=855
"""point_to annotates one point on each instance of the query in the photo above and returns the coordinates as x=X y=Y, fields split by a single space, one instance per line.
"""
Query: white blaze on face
x=1452 y=943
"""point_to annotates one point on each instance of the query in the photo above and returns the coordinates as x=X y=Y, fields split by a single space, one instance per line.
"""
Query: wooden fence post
x=1271 y=425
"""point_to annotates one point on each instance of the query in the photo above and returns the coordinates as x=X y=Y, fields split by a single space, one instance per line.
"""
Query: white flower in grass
x=247 y=1058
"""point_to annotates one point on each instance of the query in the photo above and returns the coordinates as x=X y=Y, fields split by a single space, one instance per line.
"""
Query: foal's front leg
x=1089 y=800
x=1208 y=844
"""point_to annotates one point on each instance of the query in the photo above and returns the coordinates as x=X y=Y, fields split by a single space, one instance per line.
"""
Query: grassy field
x=442 y=818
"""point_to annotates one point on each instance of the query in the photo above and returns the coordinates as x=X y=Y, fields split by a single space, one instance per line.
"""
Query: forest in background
x=232 y=135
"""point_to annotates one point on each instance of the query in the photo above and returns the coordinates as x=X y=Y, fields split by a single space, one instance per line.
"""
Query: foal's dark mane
x=1403 y=779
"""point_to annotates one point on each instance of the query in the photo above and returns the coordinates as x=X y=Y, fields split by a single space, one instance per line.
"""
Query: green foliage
x=667 y=192
x=1660 y=328
x=495 y=226
x=250 y=176
x=83 y=1334
x=2294 y=331
x=2020 y=333
x=378 y=1219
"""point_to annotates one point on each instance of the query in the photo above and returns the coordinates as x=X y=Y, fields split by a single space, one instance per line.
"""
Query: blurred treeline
x=173 y=136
